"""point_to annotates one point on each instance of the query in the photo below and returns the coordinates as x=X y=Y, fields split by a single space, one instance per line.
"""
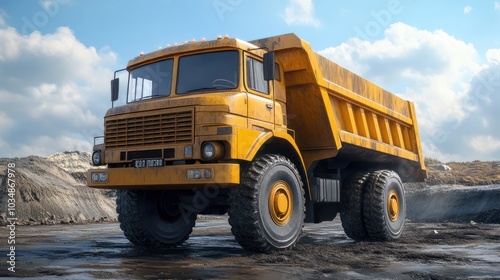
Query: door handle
x=269 y=106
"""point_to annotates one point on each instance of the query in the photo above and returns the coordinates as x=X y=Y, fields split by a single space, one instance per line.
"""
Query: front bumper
x=167 y=177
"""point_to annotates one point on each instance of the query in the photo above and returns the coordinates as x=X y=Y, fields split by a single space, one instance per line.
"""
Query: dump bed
x=339 y=115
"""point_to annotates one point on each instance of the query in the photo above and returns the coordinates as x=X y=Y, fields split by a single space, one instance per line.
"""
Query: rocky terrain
x=474 y=173
x=53 y=190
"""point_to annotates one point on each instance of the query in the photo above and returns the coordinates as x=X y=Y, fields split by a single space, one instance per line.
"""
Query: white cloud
x=48 y=4
x=467 y=10
x=5 y=121
x=3 y=15
x=485 y=143
x=479 y=130
x=300 y=12
x=455 y=95
x=48 y=144
x=431 y=68
x=434 y=152
x=493 y=56
x=56 y=89
x=497 y=6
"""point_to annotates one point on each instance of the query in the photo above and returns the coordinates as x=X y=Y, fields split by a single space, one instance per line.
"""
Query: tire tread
x=132 y=224
x=374 y=214
x=351 y=213
x=243 y=211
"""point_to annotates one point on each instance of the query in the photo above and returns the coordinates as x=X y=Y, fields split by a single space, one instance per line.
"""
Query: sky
x=58 y=56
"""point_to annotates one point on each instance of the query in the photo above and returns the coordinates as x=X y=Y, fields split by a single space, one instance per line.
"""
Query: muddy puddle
x=100 y=251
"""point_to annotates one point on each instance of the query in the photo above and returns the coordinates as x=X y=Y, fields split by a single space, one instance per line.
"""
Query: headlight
x=207 y=173
x=194 y=174
x=198 y=174
x=212 y=150
x=96 y=158
x=99 y=177
x=103 y=177
x=208 y=150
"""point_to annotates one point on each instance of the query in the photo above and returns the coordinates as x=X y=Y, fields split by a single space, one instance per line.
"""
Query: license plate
x=155 y=162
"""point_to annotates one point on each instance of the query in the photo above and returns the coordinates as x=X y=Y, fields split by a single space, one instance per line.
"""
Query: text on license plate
x=157 y=162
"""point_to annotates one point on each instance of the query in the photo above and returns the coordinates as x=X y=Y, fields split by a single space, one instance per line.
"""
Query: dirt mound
x=75 y=163
x=474 y=173
x=53 y=190
x=460 y=204
x=456 y=192
x=72 y=162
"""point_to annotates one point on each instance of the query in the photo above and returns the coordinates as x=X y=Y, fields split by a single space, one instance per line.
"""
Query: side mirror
x=115 y=85
x=269 y=66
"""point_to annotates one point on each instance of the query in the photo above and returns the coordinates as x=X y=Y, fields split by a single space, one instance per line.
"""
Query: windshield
x=208 y=71
x=149 y=81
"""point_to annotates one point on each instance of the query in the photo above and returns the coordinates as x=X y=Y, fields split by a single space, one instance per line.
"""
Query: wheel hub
x=280 y=203
x=393 y=205
x=166 y=206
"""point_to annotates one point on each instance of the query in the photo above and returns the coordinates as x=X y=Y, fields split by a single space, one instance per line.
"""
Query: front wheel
x=154 y=219
x=384 y=206
x=267 y=209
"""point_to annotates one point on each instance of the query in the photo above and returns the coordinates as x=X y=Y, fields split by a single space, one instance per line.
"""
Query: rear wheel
x=154 y=219
x=384 y=206
x=351 y=212
x=267 y=209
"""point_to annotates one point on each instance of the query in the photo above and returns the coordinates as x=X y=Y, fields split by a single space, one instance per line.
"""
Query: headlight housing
x=99 y=177
x=212 y=150
x=208 y=150
x=96 y=158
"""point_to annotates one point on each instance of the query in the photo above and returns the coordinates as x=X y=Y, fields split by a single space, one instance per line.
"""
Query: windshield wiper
x=202 y=89
x=149 y=97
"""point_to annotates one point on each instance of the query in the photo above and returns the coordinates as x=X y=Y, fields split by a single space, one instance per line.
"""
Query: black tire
x=384 y=206
x=258 y=224
x=153 y=219
x=351 y=206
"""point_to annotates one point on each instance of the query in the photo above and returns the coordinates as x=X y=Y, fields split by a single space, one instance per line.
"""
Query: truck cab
x=190 y=106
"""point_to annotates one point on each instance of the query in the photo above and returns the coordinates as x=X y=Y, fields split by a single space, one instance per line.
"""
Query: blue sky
x=57 y=57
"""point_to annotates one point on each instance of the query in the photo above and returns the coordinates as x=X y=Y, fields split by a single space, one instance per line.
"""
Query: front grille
x=144 y=154
x=157 y=129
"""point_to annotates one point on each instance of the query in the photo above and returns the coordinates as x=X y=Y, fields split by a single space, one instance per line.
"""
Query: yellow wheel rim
x=280 y=203
x=393 y=205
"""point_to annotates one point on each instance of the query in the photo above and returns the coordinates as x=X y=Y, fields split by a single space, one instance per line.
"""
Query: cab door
x=260 y=99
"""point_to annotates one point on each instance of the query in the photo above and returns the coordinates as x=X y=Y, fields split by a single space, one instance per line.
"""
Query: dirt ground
x=100 y=251
x=452 y=232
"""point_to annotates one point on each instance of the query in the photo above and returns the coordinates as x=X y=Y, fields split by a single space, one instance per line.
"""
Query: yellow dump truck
x=267 y=131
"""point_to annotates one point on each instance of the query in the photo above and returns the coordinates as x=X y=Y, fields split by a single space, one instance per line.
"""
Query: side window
x=255 y=76
x=277 y=73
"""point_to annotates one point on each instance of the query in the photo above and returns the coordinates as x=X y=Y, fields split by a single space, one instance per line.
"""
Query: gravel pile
x=53 y=190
